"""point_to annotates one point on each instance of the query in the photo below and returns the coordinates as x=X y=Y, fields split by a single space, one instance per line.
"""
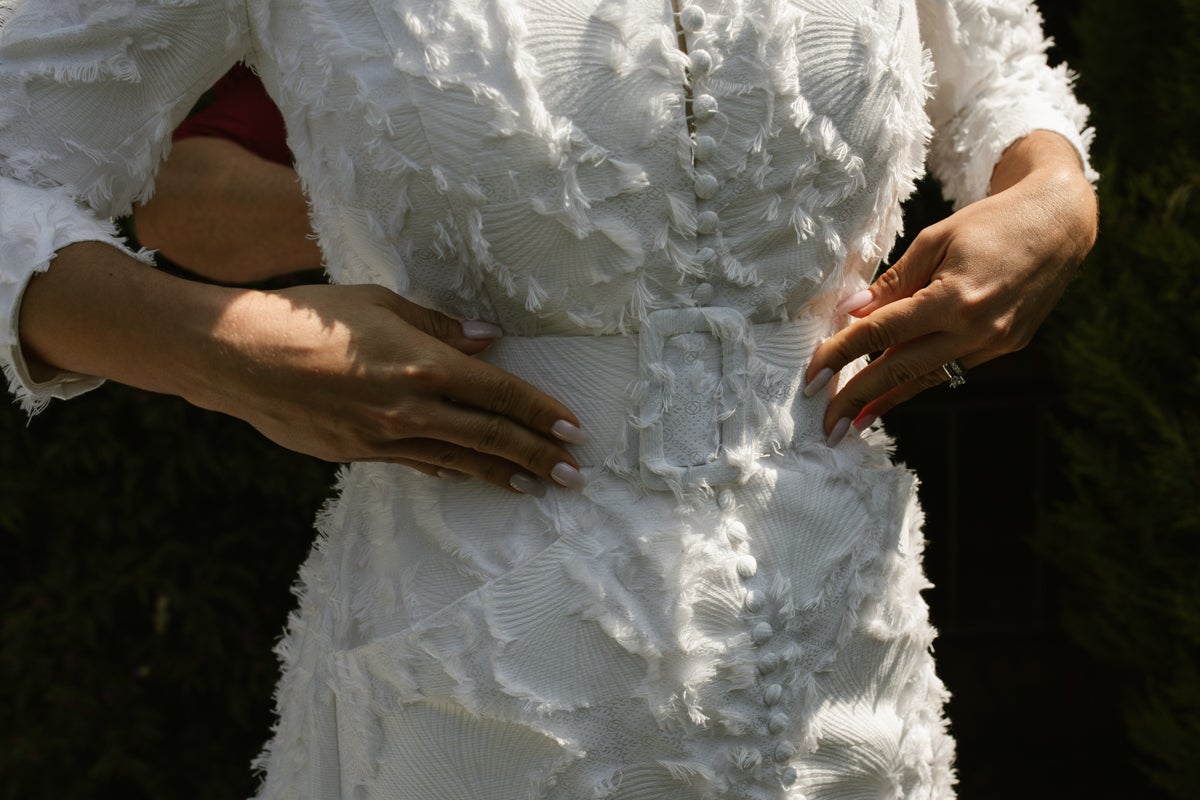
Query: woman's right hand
x=357 y=373
x=344 y=373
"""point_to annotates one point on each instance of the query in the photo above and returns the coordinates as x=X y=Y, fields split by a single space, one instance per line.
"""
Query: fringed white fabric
x=36 y=224
x=992 y=86
x=568 y=168
x=89 y=93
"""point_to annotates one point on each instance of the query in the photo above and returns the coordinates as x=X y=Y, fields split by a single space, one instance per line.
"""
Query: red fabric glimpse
x=242 y=112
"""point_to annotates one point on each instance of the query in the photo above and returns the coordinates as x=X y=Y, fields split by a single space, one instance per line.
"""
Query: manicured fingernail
x=819 y=382
x=477 y=329
x=864 y=422
x=839 y=432
x=854 y=302
x=452 y=475
x=526 y=484
x=568 y=432
x=568 y=476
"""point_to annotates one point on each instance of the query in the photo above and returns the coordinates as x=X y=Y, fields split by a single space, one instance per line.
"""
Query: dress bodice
x=557 y=166
x=531 y=162
x=574 y=167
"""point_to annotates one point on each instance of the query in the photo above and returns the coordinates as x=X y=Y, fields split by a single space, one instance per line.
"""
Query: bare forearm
x=340 y=372
x=1049 y=162
x=99 y=312
x=227 y=214
x=969 y=288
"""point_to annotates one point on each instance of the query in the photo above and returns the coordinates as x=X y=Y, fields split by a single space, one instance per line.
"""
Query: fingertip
x=855 y=302
x=527 y=484
x=568 y=432
x=567 y=475
x=840 y=429
x=818 y=382
x=472 y=347
x=864 y=421
x=478 y=330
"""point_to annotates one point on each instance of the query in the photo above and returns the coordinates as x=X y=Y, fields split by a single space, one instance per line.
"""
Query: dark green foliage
x=148 y=552
x=1127 y=340
x=148 y=546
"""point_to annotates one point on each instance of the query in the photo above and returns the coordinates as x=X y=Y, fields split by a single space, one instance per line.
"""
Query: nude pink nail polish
x=819 y=382
x=839 y=432
x=568 y=432
x=566 y=475
x=854 y=302
x=478 y=329
x=526 y=484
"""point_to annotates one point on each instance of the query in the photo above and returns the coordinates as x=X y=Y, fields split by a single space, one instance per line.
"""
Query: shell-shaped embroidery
x=440 y=751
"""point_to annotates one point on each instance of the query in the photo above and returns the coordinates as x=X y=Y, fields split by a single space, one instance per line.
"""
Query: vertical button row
x=759 y=608
x=704 y=107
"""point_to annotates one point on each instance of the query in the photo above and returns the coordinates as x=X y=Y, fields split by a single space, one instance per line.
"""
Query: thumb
x=911 y=273
x=467 y=336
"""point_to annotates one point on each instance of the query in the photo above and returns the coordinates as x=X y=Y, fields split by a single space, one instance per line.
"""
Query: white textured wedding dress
x=661 y=208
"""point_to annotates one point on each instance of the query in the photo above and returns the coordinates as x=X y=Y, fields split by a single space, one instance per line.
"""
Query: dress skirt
x=756 y=632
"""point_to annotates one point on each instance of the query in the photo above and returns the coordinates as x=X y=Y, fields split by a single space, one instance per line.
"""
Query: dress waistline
x=693 y=399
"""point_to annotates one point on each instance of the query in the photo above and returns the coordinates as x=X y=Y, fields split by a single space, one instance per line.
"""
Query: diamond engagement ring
x=955 y=372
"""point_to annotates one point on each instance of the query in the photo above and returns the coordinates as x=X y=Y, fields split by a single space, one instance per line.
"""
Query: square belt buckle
x=680 y=380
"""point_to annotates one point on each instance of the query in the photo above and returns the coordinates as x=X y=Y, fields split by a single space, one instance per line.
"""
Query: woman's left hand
x=970 y=288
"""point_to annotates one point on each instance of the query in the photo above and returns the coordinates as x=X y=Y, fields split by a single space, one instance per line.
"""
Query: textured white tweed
x=747 y=624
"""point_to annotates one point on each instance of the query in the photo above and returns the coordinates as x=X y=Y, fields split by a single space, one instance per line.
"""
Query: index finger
x=900 y=321
x=488 y=387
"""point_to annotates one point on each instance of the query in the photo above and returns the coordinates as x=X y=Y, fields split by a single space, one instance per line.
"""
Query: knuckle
x=426 y=372
x=1007 y=336
x=904 y=371
x=405 y=420
x=453 y=458
x=875 y=335
x=541 y=458
x=505 y=395
x=492 y=435
x=890 y=282
x=999 y=332
x=1020 y=340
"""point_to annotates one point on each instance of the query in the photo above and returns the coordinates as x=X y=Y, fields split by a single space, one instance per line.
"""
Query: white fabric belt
x=689 y=400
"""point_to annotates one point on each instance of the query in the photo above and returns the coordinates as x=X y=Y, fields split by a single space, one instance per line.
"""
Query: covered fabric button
x=704 y=147
x=784 y=751
x=787 y=778
x=762 y=633
x=704 y=106
x=747 y=565
x=773 y=694
x=778 y=722
x=706 y=222
x=703 y=294
x=725 y=498
x=706 y=186
x=692 y=18
x=701 y=62
x=735 y=531
x=768 y=663
x=755 y=600
x=705 y=256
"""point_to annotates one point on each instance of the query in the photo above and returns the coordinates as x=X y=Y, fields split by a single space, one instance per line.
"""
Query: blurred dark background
x=148 y=547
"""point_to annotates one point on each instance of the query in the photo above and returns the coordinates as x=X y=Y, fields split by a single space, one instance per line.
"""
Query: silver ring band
x=955 y=372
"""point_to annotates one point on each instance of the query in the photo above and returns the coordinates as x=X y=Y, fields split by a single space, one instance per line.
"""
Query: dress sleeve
x=89 y=93
x=992 y=85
